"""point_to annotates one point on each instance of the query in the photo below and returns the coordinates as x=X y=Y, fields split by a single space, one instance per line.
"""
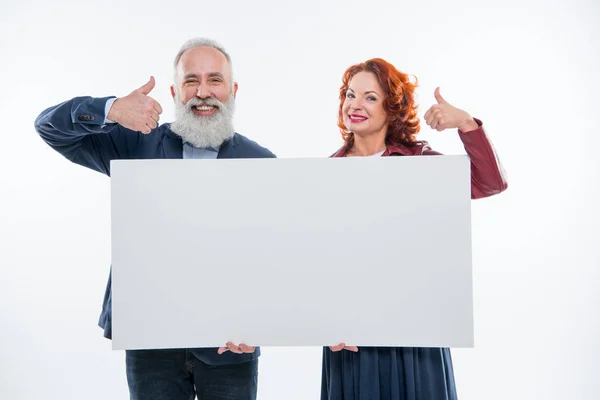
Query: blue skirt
x=388 y=373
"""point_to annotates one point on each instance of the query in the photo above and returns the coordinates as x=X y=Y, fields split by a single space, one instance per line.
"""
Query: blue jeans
x=175 y=374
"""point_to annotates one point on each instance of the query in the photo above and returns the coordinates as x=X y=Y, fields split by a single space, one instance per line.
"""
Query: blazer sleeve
x=488 y=177
x=76 y=129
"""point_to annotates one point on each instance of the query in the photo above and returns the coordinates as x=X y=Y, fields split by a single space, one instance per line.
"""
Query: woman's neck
x=367 y=146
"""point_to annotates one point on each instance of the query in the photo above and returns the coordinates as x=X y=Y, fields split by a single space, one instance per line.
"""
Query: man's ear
x=235 y=88
x=173 y=91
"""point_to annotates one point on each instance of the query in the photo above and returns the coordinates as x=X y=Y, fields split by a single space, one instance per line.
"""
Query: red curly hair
x=399 y=102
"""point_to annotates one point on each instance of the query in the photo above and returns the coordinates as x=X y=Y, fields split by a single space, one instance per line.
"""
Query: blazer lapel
x=227 y=149
x=172 y=145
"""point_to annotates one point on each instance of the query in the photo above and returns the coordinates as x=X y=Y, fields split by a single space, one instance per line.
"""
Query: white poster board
x=292 y=252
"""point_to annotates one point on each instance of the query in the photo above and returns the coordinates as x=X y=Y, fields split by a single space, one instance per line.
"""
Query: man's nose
x=203 y=92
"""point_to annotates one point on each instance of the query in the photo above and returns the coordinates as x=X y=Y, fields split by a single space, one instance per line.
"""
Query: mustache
x=210 y=101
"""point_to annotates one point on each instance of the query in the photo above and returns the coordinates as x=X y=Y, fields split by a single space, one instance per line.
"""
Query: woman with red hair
x=378 y=117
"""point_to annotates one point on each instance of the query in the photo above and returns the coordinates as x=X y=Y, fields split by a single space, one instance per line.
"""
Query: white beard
x=204 y=131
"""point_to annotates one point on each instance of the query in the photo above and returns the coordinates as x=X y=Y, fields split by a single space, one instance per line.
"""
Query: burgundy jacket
x=487 y=175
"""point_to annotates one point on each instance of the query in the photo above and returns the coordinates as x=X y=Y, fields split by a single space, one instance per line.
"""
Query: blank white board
x=370 y=251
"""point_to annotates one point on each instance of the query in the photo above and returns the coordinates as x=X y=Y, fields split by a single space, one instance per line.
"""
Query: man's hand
x=242 y=348
x=342 y=346
x=137 y=111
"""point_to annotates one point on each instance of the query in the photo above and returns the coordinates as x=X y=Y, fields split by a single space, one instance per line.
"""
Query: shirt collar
x=391 y=150
x=215 y=149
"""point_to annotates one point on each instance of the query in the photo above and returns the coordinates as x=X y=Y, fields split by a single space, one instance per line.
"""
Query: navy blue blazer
x=76 y=129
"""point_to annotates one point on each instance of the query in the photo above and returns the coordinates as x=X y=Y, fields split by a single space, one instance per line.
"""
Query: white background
x=527 y=68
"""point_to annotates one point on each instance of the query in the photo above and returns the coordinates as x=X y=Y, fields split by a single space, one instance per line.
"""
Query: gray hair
x=200 y=42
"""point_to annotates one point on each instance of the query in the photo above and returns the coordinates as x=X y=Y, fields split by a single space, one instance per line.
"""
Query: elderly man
x=92 y=131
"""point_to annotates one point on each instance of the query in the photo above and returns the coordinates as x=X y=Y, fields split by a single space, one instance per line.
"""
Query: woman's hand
x=342 y=346
x=444 y=115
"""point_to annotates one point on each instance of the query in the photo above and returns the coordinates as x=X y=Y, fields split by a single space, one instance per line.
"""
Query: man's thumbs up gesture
x=444 y=115
x=137 y=111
